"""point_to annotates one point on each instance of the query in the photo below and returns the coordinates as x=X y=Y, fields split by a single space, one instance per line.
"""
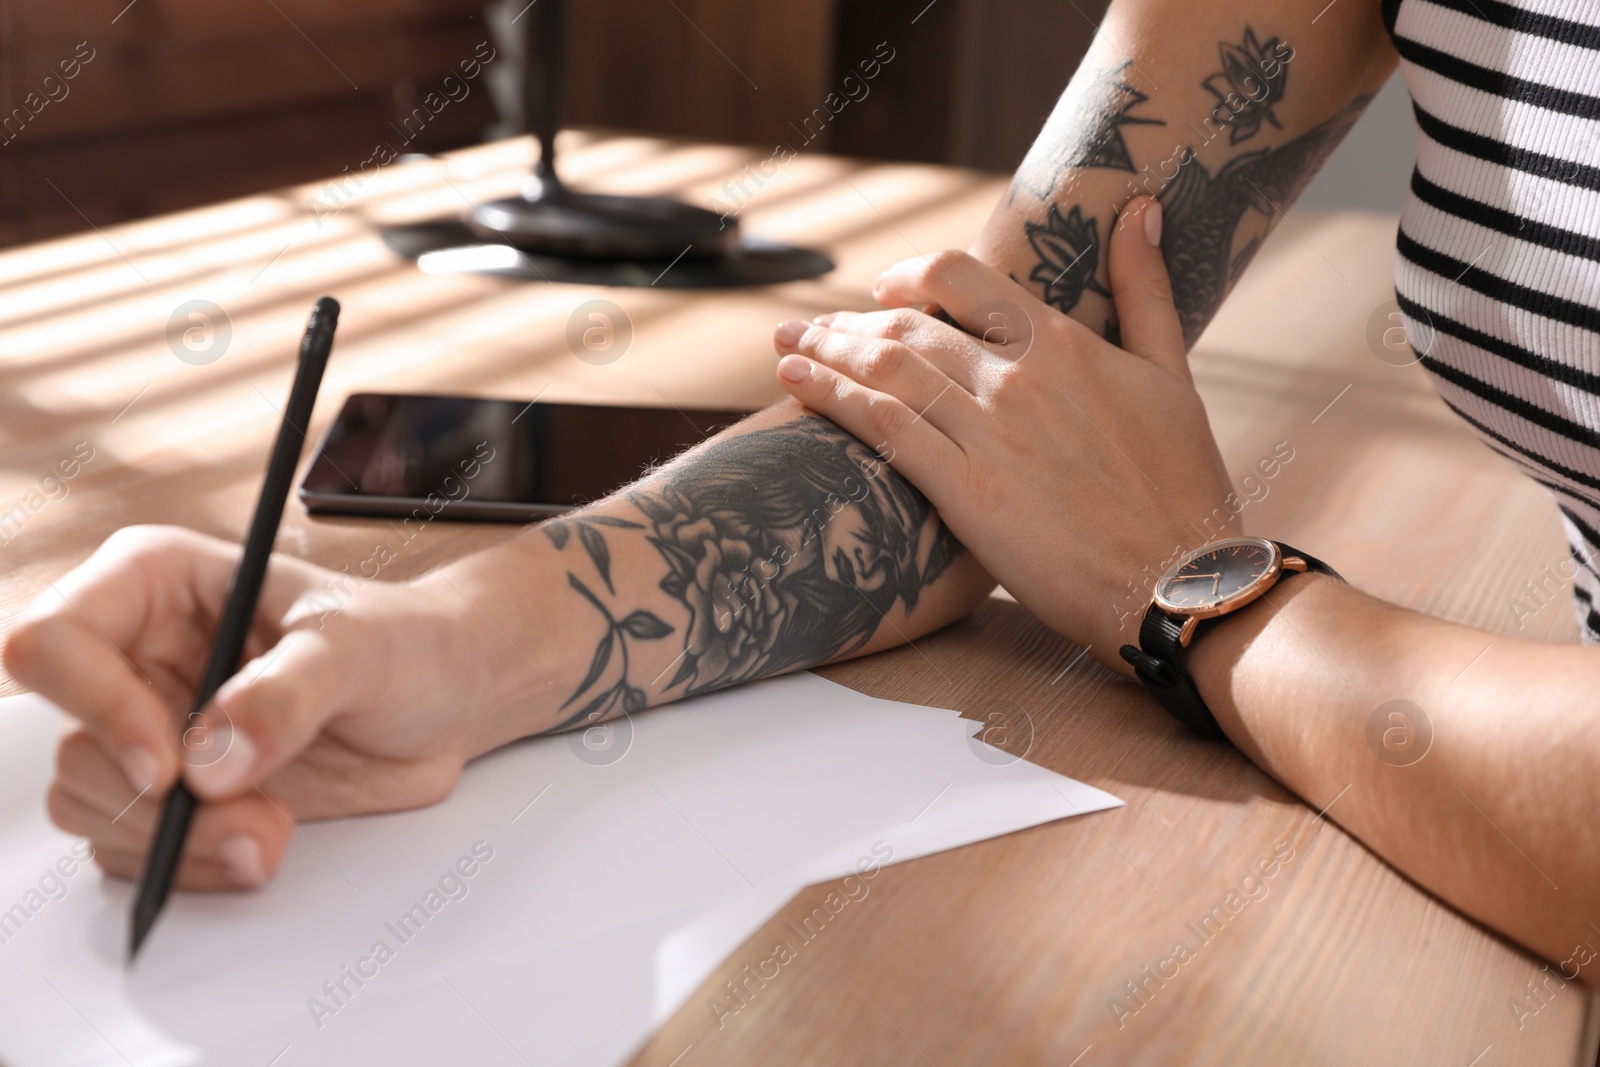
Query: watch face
x=1220 y=576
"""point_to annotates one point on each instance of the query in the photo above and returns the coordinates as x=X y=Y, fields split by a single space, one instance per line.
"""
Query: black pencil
x=232 y=630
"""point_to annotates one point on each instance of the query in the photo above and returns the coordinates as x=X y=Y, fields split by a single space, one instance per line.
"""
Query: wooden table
x=1017 y=950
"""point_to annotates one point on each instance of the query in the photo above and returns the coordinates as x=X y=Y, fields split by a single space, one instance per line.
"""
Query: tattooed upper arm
x=786 y=546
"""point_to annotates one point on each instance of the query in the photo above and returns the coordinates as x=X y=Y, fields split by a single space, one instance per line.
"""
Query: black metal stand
x=549 y=219
x=552 y=234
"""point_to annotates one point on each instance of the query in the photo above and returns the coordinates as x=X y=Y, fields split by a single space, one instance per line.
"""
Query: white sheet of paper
x=610 y=891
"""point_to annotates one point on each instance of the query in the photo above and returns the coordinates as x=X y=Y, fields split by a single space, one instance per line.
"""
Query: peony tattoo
x=788 y=550
x=786 y=547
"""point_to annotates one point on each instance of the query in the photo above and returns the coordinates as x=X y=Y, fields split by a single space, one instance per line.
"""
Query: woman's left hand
x=1066 y=464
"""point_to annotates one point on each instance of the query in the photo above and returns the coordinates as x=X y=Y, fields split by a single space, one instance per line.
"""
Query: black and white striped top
x=1498 y=270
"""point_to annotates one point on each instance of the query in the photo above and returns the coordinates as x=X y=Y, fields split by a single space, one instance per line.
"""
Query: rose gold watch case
x=1193 y=615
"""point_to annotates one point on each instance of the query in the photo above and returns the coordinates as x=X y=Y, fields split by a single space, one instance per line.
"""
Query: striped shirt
x=1498 y=266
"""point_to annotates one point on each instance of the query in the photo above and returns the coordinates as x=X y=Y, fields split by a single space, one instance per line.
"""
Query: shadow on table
x=1043 y=698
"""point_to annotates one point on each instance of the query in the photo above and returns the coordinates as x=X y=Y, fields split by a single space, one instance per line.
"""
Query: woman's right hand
x=340 y=708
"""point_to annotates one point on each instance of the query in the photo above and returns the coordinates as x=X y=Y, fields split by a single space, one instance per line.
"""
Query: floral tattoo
x=788 y=549
x=786 y=546
x=642 y=625
x=1250 y=84
x=1069 y=255
x=1215 y=215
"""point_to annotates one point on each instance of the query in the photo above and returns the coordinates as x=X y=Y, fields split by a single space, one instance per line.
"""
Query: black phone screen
x=498 y=460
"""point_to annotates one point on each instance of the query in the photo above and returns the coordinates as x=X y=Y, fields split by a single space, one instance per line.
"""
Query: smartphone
x=470 y=458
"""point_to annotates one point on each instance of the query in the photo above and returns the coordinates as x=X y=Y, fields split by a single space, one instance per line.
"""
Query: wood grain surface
x=1025 y=949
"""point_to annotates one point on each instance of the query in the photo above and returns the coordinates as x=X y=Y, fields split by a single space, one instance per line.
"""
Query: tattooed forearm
x=1105 y=146
x=1205 y=241
x=788 y=550
x=1214 y=218
x=786 y=546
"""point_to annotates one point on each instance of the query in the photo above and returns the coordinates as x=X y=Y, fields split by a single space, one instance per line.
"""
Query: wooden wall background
x=191 y=101
x=188 y=101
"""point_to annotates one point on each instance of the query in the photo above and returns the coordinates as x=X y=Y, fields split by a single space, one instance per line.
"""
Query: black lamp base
x=592 y=226
x=450 y=247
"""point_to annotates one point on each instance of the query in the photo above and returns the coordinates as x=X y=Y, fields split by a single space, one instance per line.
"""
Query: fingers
x=885 y=366
x=80 y=671
x=913 y=444
x=955 y=281
x=1142 y=289
x=72 y=647
x=954 y=352
x=232 y=844
x=194 y=874
x=986 y=303
x=263 y=716
x=118 y=643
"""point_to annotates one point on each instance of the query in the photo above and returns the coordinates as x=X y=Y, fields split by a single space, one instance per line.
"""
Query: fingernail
x=1152 y=222
x=140 y=765
x=789 y=333
x=877 y=283
x=794 y=369
x=223 y=774
x=241 y=858
x=824 y=319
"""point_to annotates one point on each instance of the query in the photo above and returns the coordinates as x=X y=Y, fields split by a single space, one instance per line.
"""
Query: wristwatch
x=1212 y=581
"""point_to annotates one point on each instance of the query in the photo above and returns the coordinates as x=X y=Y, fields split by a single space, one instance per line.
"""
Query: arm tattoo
x=1212 y=223
x=1069 y=246
x=788 y=550
x=1250 y=83
x=1069 y=256
x=622 y=693
x=642 y=625
x=787 y=546
x=1203 y=213
x=594 y=543
x=1105 y=146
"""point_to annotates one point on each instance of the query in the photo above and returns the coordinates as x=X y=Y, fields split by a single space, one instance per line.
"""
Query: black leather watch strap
x=1158 y=658
x=1158 y=661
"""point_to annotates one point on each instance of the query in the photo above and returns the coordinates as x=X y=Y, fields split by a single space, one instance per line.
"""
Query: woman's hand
x=1065 y=463
x=339 y=710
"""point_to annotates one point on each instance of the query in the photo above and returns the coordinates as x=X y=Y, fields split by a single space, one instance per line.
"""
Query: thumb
x=1142 y=290
x=262 y=717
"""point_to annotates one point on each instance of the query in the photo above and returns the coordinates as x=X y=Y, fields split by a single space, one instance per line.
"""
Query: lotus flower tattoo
x=1069 y=254
x=1250 y=83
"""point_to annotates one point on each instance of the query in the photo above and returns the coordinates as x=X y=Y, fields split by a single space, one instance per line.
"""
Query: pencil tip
x=143 y=919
